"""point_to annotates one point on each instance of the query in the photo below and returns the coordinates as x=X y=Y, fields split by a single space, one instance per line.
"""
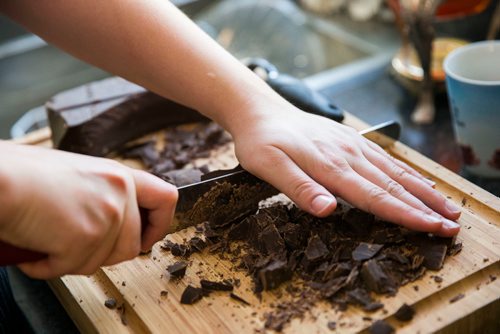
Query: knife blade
x=221 y=197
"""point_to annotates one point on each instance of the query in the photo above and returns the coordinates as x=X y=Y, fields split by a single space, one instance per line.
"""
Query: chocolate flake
x=405 y=313
x=457 y=298
x=365 y=251
x=191 y=295
x=178 y=269
x=110 y=303
x=216 y=286
x=381 y=327
x=238 y=298
x=332 y=325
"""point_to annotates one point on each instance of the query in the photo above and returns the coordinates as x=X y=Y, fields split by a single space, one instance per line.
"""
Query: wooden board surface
x=137 y=284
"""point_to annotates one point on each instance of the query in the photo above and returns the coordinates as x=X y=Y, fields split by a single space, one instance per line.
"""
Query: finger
x=400 y=163
x=431 y=197
x=285 y=175
x=371 y=198
x=159 y=198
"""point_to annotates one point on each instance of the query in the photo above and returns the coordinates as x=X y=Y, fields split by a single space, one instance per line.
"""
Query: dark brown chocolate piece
x=405 y=313
x=110 y=303
x=381 y=327
x=196 y=244
x=101 y=116
x=363 y=298
x=191 y=295
x=238 y=298
x=457 y=298
x=434 y=255
x=178 y=269
x=274 y=274
x=332 y=325
x=316 y=249
x=216 y=286
x=163 y=293
x=365 y=251
x=375 y=277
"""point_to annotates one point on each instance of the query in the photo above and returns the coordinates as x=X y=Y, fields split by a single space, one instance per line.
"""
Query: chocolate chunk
x=216 y=286
x=405 y=313
x=332 y=325
x=292 y=235
x=179 y=249
x=381 y=327
x=361 y=297
x=274 y=274
x=163 y=293
x=316 y=249
x=375 y=277
x=270 y=240
x=434 y=255
x=197 y=244
x=110 y=303
x=240 y=231
x=365 y=251
x=437 y=279
x=191 y=295
x=238 y=298
x=178 y=269
x=457 y=298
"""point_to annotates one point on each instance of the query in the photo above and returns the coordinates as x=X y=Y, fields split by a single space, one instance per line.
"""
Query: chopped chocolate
x=316 y=249
x=332 y=325
x=216 y=286
x=275 y=273
x=179 y=249
x=163 y=293
x=271 y=241
x=110 y=303
x=404 y=313
x=437 y=279
x=381 y=327
x=191 y=295
x=365 y=251
x=238 y=298
x=196 y=244
x=178 y=269
x=457 y=298
x=362 y=297
x=375 y=277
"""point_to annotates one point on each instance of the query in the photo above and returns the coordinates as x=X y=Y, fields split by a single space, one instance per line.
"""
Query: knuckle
x=303 y=189
x=113 y=211
x=398 y=172
x=348 y=148
x=374 y=196
x=394 y=188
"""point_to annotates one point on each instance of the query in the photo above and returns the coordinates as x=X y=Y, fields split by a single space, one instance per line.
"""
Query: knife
x=221 y=197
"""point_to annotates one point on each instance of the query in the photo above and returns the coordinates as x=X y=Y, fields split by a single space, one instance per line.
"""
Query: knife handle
x=12 y=255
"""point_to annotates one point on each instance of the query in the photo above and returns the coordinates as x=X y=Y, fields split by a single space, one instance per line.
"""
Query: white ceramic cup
x=473 y=84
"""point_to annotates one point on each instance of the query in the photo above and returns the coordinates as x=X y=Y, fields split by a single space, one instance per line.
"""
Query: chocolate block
x=99 y=117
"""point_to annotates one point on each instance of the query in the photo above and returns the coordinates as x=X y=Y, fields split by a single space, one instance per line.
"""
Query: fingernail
x=452 y=207
x=434 y=220
x=321 y=203
x=430 y=182
x=450 y=224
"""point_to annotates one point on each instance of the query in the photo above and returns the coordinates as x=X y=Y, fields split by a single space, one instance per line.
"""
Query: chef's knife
x=221 y=197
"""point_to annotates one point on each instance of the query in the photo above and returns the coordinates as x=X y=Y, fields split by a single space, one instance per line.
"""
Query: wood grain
x=138 y=283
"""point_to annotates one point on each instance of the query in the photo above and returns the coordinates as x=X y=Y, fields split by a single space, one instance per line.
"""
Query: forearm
x=153 y=44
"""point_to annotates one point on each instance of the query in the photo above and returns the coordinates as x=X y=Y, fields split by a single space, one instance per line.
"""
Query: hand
x=309 y=158
x=81 y=211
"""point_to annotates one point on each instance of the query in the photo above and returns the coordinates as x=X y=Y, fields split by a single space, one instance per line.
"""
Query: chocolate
x=191 y=295
x=216 y=286
x=457 y=298
x=238 y=298
x=316 y=249
x=381 y=327
x=101 y=116
x=178 y=269
x=275 y=273
x=110 y=303
x=404 y=313
x=365 y=251
x=376 y=279
x=332 y=325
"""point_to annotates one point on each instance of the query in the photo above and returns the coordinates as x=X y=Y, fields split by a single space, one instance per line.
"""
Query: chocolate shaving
x=457 y=298
x=365 y=251
x=216 y=286
x=110 y=303
x=191 y=295
x=238 y=298
x=178 y=269
x=381 y=327
x=405 y=313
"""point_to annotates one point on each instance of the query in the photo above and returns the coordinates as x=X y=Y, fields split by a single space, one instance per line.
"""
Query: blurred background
x=345 y=49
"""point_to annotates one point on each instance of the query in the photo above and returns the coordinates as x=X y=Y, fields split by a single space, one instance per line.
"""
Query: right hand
x=82 y=211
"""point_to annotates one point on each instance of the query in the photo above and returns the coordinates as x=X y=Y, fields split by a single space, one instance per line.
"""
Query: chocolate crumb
x=332 y=325
x=405 y=313
x=178 y=269
x=216 y=286
x=381 y=327
x=163 y=293
x=437 y=279
x=238 y=298
x=110 y=303
x=191 y=295
x=457 y=298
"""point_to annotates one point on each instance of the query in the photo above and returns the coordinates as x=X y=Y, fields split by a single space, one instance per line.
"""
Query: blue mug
x=473 y=85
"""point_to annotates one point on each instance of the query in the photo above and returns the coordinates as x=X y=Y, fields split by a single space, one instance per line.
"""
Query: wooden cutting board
x=138 y=284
